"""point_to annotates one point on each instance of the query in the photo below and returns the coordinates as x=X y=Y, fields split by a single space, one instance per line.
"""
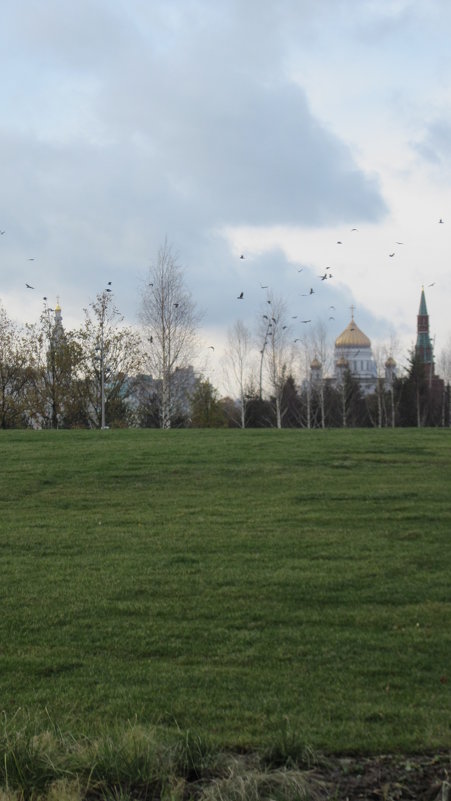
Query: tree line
x=107 y=374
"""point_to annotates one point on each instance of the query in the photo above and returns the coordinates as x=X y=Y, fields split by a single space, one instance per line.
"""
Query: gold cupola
x=352 y=337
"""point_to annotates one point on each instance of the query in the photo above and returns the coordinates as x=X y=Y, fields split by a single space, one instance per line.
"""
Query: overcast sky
x=257 y=127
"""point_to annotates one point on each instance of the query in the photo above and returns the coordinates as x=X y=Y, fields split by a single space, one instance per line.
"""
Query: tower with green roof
x=423 y=347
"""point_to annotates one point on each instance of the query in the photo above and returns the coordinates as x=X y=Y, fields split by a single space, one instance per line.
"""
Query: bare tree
x=170 y=321
x=316 y=361
x=277 y=353
x=238 y=365
x=444 y=367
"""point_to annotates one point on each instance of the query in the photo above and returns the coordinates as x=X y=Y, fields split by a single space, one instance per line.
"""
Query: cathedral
x=352 y=351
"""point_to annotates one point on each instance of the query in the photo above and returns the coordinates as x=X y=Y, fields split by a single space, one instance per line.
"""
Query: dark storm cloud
x=138 y=121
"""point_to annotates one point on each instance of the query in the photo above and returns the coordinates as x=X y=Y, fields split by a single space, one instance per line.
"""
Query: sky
x=269 y=130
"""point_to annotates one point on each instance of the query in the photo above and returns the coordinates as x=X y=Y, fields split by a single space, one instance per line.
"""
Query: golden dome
x=352 y=337
x=342 y=362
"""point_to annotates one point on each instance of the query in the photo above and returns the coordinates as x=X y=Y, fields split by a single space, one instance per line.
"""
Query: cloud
x=138 y=121
x=435 y=145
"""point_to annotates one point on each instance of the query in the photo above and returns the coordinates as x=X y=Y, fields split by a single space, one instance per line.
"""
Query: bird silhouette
x=2 y=232
x=354 y=229
x=109 y=283
x=176 y=305
x=240 y=296
x=391 y=255
x=242 y=256
x=433 y=284
x=306 y=321
x=29 y=286
x=211 y=346
x=264 y=287
x=107 y=290
x=441 y=221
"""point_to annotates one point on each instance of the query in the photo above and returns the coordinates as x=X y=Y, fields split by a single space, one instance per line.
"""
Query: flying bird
x=176 y=305
x=31 y=259
x=300 y=270
x=391 y=255
x=107 y=290
x=339 y=243
x=441 y=221
x=332 y=307
x=242 y=256
x=2 y=232
x=240 y=296
x=433 y=284
x=28 y=286
x=109 y=283
x=306 y=321
x=331 y=318
x=264 y=287
x=211 y=346
x=354 y=229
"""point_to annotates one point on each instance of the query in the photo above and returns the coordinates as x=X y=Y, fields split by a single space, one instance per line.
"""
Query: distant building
x=353 y=352
x=423 y=348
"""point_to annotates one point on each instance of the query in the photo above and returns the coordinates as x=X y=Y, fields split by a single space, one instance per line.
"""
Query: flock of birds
x=324 y=276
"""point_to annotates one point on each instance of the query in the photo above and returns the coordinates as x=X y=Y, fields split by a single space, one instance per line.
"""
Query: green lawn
x=242 y=584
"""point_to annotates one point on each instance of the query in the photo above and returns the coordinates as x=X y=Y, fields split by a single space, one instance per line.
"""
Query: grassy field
x=257 y=587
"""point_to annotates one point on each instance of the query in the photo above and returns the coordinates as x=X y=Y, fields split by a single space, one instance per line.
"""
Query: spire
x=423 y=308
x=58 y=330
x=423 y=347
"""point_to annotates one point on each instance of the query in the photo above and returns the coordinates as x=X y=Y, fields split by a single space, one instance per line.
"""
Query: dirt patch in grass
x=416 y=777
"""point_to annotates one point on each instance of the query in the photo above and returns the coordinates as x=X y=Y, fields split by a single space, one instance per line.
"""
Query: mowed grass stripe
x=228 y=580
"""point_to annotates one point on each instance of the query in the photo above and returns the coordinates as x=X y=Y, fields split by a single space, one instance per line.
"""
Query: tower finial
x=352 y=311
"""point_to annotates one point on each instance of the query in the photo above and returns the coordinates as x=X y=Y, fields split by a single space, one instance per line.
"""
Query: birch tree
x=238 y=365
x=170 y=322
x=277 y=351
